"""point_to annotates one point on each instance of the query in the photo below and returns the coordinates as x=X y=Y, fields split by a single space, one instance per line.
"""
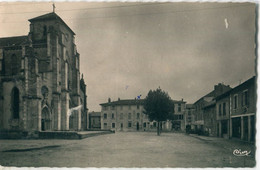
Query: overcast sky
x=127 y=49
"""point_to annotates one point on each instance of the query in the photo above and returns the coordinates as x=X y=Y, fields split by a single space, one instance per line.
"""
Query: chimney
x=109 y=100
x=118 y=99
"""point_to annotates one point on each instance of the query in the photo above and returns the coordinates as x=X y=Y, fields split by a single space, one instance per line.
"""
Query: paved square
x=126 y=149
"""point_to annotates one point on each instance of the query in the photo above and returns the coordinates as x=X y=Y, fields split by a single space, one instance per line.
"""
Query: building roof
x=50 y=16
x=210 y=104
x=223 y=95
x=251 y=80
x=178 y=101
x=214 y=93
x=124 y=102
x=132 y=102
x=13 y=41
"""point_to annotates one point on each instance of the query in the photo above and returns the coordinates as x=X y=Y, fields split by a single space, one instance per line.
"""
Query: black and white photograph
x=152 y=84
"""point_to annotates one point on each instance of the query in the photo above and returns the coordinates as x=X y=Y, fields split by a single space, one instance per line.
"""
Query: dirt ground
x=127 y=149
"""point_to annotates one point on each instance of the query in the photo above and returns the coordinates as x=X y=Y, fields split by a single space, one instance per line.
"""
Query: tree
x=158 y=106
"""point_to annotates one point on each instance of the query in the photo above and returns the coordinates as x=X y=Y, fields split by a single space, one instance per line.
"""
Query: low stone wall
x=59 y=135
x=13 y=134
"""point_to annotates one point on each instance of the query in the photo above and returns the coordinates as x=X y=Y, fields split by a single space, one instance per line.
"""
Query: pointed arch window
x=44 y=31
x=15 y=103
x=14 y=65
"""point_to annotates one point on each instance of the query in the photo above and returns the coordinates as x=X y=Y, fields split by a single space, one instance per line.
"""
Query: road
x=126 y=149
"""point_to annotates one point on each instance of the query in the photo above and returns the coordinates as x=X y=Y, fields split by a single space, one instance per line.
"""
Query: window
x=14 y=64
x=22 y=63
x=129 y=116
x=121 y=107
x=64 y=53
x=75 y=49
x=63 y=38
x=179 y=107
x=66 y=37
x=138 y=107
x=36 y=66
x=105 y=116
x=105 y=108
x=224 y=109
x=44 y=30
x=219 y=109
x=66 y=75
x=105 y=125
x=235 y=101
x=112 y=107
x=1 y=54
x=129 y=107
x=121 y=115
x=138 y=116
x=144 y=125
x=112 y=116
x=15 y=102
x=113 y=125
x=245 y=98
x=129 y=124
x=77 y=63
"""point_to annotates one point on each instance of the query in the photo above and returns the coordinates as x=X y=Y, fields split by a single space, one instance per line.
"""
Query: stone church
x=41 y=88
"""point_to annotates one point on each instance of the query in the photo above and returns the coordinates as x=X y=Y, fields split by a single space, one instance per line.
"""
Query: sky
x=126 y=49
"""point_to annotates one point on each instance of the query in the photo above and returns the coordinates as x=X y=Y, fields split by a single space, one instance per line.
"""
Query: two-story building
x=243 y=110
x=178 y=122
x=236 y=111
x=209 y=116
x=223 y=115
x=124 y=115
x=199 y=105
x=189 y=116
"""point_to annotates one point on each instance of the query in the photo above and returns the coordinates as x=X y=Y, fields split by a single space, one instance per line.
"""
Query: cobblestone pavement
x=127 y=149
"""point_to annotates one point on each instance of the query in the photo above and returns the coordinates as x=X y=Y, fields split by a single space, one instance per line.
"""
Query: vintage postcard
x=128 y=84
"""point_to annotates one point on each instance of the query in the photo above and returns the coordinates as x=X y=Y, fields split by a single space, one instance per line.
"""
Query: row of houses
x=227 y=112
x=224 y=112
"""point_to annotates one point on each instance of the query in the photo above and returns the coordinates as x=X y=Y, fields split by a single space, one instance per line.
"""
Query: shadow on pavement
x=31 y=149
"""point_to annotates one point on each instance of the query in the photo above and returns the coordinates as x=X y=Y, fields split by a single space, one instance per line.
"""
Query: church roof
x=50 y=16
x=13 y=41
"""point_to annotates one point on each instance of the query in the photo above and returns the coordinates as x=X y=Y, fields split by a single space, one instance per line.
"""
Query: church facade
x=40 y=84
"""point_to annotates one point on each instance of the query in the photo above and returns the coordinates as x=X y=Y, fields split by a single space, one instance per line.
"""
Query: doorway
x=121 y=126
x=137 y=126
x=46 y=120
x=236 y=127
